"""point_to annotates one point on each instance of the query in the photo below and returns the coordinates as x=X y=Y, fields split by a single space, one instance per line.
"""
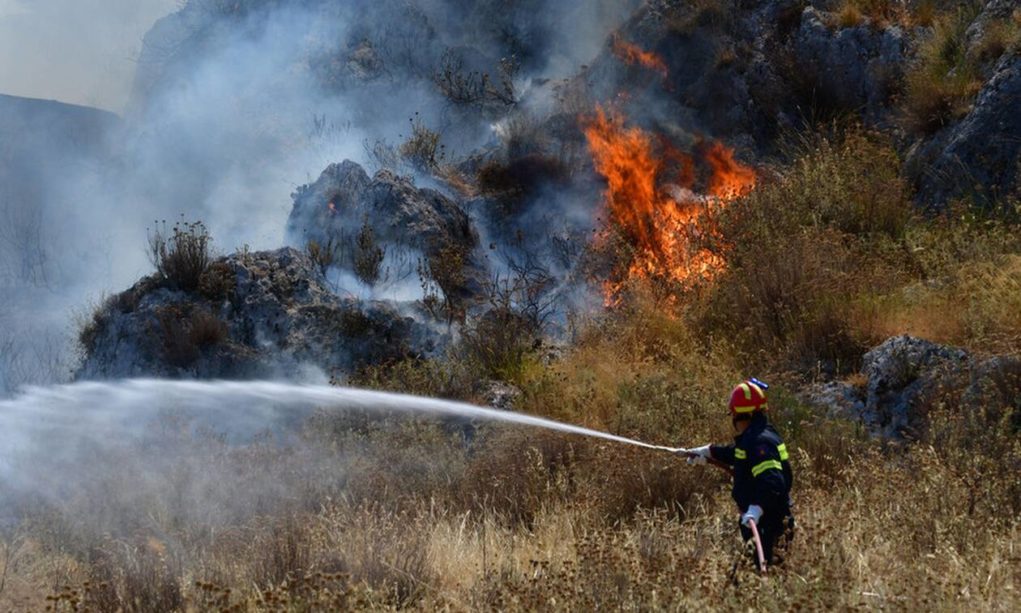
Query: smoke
x=232 y=105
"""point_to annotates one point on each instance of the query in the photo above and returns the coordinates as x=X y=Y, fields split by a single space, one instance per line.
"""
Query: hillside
x=605 y=214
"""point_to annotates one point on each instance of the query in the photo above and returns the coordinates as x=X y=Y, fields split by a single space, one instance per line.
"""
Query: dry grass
x=878 y=13
x=376 y=512
x=946 y=78
x=802 y=249
x=905 y=530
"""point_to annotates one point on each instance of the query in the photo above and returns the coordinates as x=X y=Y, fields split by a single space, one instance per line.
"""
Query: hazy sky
x=78 y=51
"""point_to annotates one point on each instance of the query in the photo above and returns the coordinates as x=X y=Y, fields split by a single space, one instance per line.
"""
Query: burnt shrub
x=217 y=282
x=183 y=333
x=367 y=258
x=510 y=185
x=180 y=254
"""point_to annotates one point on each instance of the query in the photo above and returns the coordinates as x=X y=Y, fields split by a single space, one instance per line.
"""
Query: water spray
x=94 y=406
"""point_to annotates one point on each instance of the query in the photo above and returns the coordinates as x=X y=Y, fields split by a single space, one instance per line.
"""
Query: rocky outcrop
x=981 y=154
x=901 y=377
x=344 y=201
x=857 y=67
x=254 y=315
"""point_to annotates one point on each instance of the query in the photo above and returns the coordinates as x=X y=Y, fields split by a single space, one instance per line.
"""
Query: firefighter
x=762 y=471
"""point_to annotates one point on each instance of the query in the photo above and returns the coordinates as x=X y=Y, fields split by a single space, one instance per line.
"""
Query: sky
x=76 y=51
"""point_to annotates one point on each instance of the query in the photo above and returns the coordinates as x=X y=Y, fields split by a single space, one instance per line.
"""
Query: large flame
x=650 y=200
x=634 y=55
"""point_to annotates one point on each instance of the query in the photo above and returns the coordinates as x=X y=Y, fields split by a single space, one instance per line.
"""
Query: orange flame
x=729 y=179
x=665 y=224
x=636 y=56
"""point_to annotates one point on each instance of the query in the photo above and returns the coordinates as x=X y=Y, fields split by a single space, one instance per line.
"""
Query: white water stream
x=109 y=408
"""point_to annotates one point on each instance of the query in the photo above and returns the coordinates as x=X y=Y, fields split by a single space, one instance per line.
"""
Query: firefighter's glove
x=754 y=513
x=698 y=455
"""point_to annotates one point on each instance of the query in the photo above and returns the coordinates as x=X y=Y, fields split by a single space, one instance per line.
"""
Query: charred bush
x=422 y=149
x=442 y=278
x=324 y=254
x=512 y=184
x=473 y=88
x=184 y=333
x=218 y=281
x=368 y=256
x=181 y=254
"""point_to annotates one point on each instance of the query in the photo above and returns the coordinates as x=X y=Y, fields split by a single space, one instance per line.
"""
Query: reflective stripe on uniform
x=782 y=449
x=762 y=467
x=740 y=454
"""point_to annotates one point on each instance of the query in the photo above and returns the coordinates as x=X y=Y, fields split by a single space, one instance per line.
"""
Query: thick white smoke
x=234 y=105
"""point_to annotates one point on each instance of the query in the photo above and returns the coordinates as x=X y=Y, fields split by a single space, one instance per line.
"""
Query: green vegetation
x=950 y=68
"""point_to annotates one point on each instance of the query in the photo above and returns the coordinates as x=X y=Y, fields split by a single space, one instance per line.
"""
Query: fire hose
x=758 y=545
x=751 y=522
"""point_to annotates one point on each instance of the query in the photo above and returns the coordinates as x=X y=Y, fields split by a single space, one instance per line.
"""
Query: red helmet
x=748 y=398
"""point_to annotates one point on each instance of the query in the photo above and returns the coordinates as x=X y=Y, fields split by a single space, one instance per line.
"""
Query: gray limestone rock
x=856 y=66
x=256 y=314
x=981 y=154
x=403 y=218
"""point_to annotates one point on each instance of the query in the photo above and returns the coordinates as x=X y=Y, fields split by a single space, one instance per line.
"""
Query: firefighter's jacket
x=762 y=472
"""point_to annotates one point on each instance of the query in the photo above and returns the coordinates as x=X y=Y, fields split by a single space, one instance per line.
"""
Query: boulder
x=255 y=315
x=905 y=377
x=856 y=67
x=402 y=217
x=981 y=154
x=902 y=374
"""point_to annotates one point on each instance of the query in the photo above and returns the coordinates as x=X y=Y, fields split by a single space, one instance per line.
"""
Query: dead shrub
x=477 y=89
x=218 y=281
x=422 y=149
x=324 y=254
x=205 y=329
x=368 y=256
x=442 y=278
x=495 y=343
x=181 y=254
x=185 y=332
x=880 y=13
x=91 y=328
x=998 y=37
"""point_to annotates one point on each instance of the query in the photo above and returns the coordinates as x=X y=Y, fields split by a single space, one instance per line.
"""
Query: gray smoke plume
x=233 y=105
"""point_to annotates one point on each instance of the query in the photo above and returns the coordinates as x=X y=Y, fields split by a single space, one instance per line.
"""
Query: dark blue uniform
x=763 y=477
